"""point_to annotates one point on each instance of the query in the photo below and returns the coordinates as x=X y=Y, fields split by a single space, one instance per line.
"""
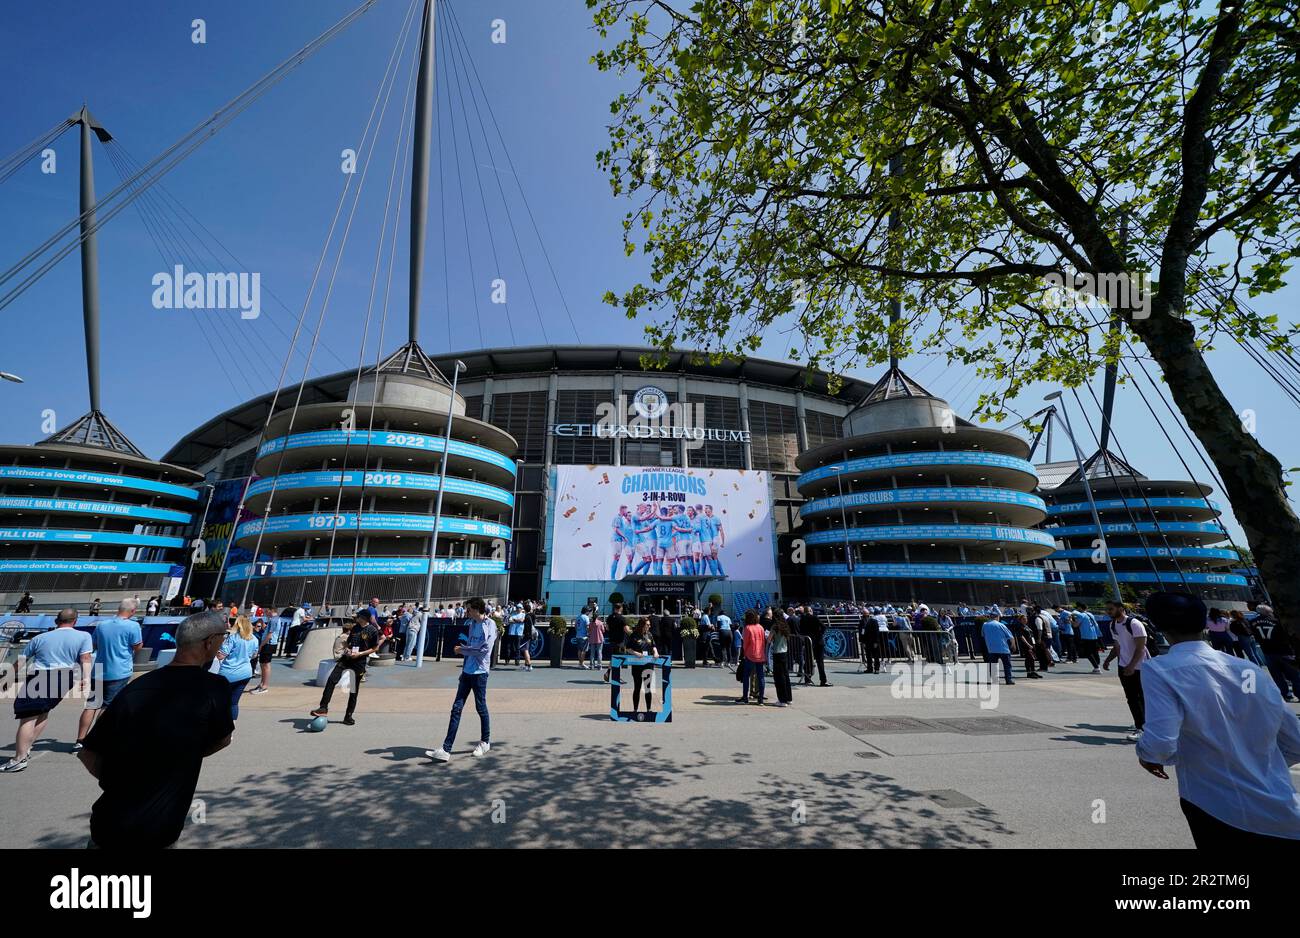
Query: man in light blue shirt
x=57 y=661
x=725 y=639
x=997 y=646
x=580 y=627
x=477 y=650
x=1065 y=629
x=1222 y=722
x=116 y=642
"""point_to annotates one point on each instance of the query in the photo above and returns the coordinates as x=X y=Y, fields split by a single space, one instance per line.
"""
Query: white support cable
x=302 y=315
x=407 y=111
x=464 y=212
x=541 y=243
x=379 y=355
x=185 y=251
x=1123 y=455
x=158 y=236
x=478 y=179
x=389 y=80
x=463 y=55
x=186 y=217
x=19 y=158
x=1127 y=510
x=208 y=127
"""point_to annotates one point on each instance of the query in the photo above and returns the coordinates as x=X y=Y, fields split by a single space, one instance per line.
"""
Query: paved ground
x=1047 y=767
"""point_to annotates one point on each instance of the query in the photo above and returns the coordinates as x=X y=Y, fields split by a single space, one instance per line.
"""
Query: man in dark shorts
x=147 y=749
x=57 y=661
x=617 y=634
x=361 y=643
x=265 y=632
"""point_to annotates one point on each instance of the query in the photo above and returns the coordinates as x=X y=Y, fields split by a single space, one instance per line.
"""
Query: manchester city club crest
x=650 y=402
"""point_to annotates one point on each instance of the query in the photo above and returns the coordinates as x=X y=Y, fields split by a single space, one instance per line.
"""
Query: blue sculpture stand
x=617 y=663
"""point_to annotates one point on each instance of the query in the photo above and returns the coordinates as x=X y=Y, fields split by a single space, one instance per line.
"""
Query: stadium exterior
x=917 y=504
x=1161 y=534
x=521 y=413
x=85 y=515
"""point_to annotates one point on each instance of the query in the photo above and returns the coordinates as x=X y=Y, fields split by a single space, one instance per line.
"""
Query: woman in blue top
x=236 y=660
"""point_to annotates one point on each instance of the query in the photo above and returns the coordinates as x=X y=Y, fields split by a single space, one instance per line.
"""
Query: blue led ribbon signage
x=1109 y=503
x=373 y=566
x=352 y=479
x=931 y=571
x=109 y=480
x=115 y=509
x=80 y=566
x=61 y=536
x=913 y=460
x=423 y=524
x=922 y=495
x=385 y=438
x=921 y=532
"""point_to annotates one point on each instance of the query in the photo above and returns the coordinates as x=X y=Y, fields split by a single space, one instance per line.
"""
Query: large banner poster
x=220 y=524
x=612 y=522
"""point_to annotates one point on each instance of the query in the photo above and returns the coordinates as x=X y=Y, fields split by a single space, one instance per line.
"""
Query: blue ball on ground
x=318 y=725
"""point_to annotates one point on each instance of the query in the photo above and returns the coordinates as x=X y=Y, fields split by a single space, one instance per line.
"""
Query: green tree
x=1017 y=145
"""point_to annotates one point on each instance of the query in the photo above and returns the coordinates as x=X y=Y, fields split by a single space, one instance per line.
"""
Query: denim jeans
x=752 y=667
x=1252 y=649
x=728 y=647
x=477 y=684
x=993 y=658
x=237 y=691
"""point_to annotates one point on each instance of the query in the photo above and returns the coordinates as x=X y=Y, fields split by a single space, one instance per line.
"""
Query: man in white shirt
x=1222 y=722
x=1131 y=648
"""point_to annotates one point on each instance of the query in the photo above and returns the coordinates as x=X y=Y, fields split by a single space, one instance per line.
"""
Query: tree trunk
x=1252 y=476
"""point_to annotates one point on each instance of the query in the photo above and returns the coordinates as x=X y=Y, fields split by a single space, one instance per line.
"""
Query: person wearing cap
x=361 y=643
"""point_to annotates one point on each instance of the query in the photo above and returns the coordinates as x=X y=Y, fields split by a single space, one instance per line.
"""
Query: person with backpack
x=1132 y=649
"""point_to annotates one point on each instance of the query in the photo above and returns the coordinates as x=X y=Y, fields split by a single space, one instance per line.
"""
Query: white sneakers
x=1134 y=736
x=442 y=755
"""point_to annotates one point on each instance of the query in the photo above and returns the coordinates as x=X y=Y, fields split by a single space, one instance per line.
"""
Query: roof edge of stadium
x=534 y=359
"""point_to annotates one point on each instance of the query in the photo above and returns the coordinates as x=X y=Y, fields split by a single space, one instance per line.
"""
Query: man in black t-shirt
x=664 y=633
x=147 y=749
x=615 y=633
x=360 y=644
x=810 y=624
x=1279 y=653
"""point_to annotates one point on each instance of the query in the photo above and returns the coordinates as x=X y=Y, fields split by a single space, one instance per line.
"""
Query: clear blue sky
x=267 y=185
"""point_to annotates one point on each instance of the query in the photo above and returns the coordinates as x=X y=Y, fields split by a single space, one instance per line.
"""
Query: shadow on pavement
x=555 y=793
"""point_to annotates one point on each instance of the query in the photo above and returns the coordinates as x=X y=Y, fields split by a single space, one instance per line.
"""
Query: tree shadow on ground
x=557 y=794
